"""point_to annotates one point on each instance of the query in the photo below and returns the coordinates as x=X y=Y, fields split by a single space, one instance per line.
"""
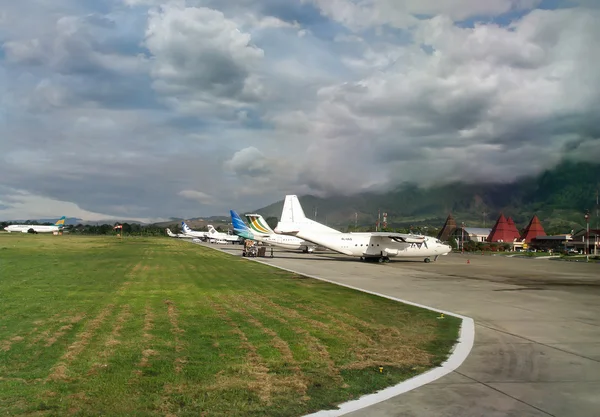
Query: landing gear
x=427 y=260
x=435 y=258
x=384 y=259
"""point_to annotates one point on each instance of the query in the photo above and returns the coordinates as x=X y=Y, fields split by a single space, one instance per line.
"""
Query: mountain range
x=558 y=196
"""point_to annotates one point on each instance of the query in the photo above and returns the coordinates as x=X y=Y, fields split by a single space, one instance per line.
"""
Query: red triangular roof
x=449 y=227
x=501 y=232
x=533 y=230
x=513 y=228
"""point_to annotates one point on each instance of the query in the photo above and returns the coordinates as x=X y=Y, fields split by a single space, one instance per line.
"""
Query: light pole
x=462 y=239
x=587 y=235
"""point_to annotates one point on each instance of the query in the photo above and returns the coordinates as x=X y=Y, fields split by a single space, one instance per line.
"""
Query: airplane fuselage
x=366 y=245
x=24 y=228
x=193 y=234
x=283 y=241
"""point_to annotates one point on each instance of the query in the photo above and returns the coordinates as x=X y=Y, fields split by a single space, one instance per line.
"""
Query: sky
x=150 y=109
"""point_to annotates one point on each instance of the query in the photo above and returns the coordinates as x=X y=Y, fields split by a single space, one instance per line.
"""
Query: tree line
x=129 y=229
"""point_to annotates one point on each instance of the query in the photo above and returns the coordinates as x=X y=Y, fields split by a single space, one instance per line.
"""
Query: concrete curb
x=459 y=353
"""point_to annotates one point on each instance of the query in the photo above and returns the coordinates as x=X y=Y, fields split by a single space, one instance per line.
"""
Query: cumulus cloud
x=201 y=60
x=150 y=109
x=249 y=162
x=363 y=14
x=482 y=105
x=72 y=46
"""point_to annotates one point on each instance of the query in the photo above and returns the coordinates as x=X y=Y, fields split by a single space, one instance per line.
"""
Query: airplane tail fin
x=61 y=222
x=292 y=210
x=185 y=228
x=293 y=219
x=237 y=222
x=259 y=225
x=239 y=227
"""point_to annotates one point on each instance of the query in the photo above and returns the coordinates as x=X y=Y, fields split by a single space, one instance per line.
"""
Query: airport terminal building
x=471 y=234
x=533 y=236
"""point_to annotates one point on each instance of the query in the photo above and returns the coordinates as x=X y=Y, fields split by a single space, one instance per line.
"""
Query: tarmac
x=537 y=330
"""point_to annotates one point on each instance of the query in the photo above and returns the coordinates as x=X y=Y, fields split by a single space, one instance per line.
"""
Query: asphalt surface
x=537 y=330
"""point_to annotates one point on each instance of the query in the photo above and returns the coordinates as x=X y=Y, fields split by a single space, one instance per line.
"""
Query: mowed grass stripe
x=307 y=349
x=153 y=326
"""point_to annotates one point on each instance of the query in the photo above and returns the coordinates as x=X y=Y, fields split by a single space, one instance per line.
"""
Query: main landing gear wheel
x=384 y=259
x=427 y=260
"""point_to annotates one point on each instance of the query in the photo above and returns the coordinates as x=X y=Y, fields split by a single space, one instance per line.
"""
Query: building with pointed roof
x=513 y=228
x=502 y=232
x=533 y=230
x=448 y=229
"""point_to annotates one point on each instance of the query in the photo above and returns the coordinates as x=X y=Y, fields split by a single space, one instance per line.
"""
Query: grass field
x=154 y=326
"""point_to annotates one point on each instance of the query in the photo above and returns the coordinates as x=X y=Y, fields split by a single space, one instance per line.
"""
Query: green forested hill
x=558 y=196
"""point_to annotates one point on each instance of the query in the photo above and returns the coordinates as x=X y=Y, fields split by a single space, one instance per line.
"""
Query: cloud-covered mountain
x=559 y=197
x=150 y=109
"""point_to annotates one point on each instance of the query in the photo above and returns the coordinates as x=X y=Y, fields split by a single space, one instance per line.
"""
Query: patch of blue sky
x=97 y=6
x=557 y=4
x=294 y=11
x=313 y=53
x=428 y=49
x=511 y=16
x=123 y=35
x=389 y=34
x=502 y=20
x=249 y=118
x=306 y=14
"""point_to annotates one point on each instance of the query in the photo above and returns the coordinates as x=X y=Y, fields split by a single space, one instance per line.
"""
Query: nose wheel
x=427 y=260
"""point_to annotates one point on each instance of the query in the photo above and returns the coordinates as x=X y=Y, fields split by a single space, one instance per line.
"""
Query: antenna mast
x=597 y=210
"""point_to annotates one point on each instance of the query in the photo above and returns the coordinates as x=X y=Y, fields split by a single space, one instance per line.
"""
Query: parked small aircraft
x=366 y=246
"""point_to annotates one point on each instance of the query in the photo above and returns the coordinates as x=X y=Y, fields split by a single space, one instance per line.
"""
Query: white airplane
x=260 y=231
x=25 y=228
x=219 y=237
x=367 y=246
x=187 y=232
x=178 y=235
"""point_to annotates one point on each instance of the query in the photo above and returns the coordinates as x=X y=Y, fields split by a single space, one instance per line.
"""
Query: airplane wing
x=400 y=237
